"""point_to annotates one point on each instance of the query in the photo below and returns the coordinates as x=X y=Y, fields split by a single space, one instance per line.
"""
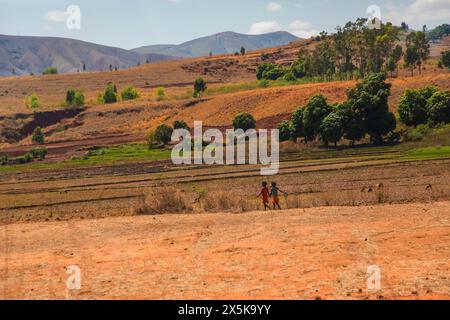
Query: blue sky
x=134 y=23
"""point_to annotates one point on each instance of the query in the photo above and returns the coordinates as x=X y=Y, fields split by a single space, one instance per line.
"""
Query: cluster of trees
x=162 y=135
x=439 y=32
x=50 y=70
x=75 y=98
x=111 y=94
x=366 y=112
x=424 y=106
x=353 y=51
x=38 y=154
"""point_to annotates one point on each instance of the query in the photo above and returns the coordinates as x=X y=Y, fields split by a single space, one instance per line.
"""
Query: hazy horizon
x=143 y=23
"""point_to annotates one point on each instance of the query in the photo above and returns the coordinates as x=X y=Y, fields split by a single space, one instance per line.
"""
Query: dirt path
x=309 y=253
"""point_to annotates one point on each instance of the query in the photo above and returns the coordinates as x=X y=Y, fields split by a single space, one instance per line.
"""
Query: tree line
x=354 y=51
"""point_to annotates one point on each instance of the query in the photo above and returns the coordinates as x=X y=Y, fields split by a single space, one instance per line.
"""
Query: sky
x=134 y=23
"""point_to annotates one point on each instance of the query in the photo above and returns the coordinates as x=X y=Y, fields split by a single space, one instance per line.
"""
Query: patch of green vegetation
x=427 y=153
x=97 y=156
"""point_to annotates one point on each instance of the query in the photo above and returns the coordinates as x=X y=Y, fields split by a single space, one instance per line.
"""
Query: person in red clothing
x=264 y=194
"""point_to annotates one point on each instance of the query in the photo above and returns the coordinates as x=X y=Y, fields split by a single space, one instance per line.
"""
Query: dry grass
x=164 y=199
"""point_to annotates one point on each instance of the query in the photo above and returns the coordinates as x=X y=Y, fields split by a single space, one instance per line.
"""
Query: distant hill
x=27 y=55
x=220 y=43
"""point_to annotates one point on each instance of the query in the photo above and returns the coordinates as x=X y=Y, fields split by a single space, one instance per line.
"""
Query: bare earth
x=298 y=254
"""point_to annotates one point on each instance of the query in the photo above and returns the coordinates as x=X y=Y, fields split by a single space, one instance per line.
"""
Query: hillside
x=220 y=43
x=27 y=55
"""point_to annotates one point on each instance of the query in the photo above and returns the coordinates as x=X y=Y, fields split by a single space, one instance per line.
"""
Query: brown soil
x=298 y=254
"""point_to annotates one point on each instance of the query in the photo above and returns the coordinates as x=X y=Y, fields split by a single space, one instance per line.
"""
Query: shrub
x=445 y=60
x=286 y=130
x=160 y=93
x=27 y=158
x=32 y=101
x=110 y=95
x=75 y=98
x=163 y=134
x=129 y=93
x=50 y=70
x=38 y=136
x=244 y=121
x=180 y=124
x=439 y=107
x=4 y=160
x=199 y=87
x=39 y=153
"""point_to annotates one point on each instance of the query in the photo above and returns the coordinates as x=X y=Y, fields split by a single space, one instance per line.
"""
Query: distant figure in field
x=274 y=193
x=264 y=194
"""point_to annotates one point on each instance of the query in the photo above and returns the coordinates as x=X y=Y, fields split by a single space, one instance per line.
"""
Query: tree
x=38 y=136
x=110 y=95
x=369 y=101
x=419 y=41
x=269 y=71
x=445 y=59
x=243 y=51
x=411 y=58
x=286 y=130
x=439 y=107
x=50 y=70
x=199 y=87
x=129 y=93
x=84 y=66
x=315 y=111
x=351 y=122
x=75 y=98
x=32 y=101
x=297 y=124
x=244 y=121
x=160 y=93
x=412 y=108
x=180 y=124
x=163 y=134
x=331 y=128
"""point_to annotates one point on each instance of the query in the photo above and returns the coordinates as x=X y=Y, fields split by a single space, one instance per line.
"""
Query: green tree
x=243 y=51
x=110 y=95
x=286 y=130
x=297 y=123
x=32 y=101
x=180 y=124
x=445 y=59
x=419 y=41
x=439 y=107
x=244 y=121
x=75 y=98
x=412 y=108
x=411 y=58
x=38 y=136
x=163 y=134
x=160 y=93
x=331 y=129
x=199 y=87
x=369 y=101
x=129 y=93
x=351 y=122
x=315 y=111
x=50 y=70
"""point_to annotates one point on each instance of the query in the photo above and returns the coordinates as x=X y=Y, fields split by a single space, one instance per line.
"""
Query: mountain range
x=21 y=55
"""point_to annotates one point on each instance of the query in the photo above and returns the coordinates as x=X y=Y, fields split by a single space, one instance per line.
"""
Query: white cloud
x=273 y=7
x=303 y=29
x=57 y=16
x=264 y=27
x=418 y=13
